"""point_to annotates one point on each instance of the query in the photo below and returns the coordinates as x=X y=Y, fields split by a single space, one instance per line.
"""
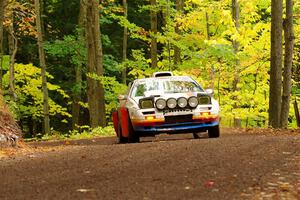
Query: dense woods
x=63 y=63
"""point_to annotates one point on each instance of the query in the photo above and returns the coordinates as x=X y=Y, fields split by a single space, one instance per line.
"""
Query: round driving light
x=182 y=102
x=171 y=103
x=193 y=102
x=161 y=104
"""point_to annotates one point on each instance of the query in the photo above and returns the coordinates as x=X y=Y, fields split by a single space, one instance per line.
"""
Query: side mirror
x=210 y=92
x=122 y=97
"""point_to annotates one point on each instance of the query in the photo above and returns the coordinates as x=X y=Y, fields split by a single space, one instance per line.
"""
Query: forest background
x=225 y=45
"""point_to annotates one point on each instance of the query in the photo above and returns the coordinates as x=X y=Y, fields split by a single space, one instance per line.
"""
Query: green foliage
x=112 y=89
x=83 y=132
x=71 y=46
x=5 y=62
x=28 y=89
x=138 y=65
x=92 y=133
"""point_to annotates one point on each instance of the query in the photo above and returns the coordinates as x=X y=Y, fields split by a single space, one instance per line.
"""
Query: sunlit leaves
x=29 y=93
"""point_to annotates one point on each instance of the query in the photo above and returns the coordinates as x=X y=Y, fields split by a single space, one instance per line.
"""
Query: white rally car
x=166 y=104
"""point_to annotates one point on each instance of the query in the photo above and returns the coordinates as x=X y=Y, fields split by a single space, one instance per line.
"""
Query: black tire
x=214 y=132
x=133 y=136
x=121 y=139
x=196 y=135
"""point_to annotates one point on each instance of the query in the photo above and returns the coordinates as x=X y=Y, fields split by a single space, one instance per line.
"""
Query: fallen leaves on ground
x=24 y=150
x=284 y=185
x=261 y=131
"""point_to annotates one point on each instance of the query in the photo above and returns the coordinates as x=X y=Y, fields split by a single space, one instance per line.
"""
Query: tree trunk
x=212 y=69
x=288 y=61
x=78 y=68
x=13 y=48
x=237 y=122
x=95 y=66
x=76 y=98
x=125 y=40
x=153 y=17
x=2 y=9
x=43 y=68
x=207 y=26
x=177 y=51
x=276 y=64
x=235 y=44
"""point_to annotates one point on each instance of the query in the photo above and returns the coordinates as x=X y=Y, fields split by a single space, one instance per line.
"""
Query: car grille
x=178 y=118
x=176 y=111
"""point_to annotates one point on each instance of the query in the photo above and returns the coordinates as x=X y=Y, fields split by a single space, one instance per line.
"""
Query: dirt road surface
x=234 y=166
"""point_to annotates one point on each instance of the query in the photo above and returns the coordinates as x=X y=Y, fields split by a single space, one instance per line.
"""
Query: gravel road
x=234 y=166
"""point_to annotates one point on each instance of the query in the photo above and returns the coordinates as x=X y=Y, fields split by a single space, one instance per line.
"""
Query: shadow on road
x=113 y=140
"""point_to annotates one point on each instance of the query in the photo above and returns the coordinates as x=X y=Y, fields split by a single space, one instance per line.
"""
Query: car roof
x=175 y=78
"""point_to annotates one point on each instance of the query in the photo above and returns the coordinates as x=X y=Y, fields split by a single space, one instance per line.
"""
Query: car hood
x=168 y=95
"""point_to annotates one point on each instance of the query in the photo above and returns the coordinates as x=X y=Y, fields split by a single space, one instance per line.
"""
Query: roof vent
x=162 y=74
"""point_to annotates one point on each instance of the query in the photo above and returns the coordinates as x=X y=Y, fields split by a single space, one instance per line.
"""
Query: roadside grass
x=83 y=132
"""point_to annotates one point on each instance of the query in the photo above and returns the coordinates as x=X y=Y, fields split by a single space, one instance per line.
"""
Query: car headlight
x=160 y=104
x=193 y=102
x=146 y=103
x=182 y=102
x=204 y=100
x=171 y=103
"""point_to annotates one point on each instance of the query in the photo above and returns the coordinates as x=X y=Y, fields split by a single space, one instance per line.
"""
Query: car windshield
x=164 y=86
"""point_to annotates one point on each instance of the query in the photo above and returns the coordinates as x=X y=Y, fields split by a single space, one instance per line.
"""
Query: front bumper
x=157 y=126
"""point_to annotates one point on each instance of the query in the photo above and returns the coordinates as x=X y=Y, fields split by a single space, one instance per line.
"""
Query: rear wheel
x=214 y=132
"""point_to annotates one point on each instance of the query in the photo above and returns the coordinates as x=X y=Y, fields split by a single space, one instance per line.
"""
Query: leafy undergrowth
x=81 y=133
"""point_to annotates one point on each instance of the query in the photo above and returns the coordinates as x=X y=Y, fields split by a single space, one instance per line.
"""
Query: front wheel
x=133 y=136
x=196 y=135
x=121 y=139
x=214 y=132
